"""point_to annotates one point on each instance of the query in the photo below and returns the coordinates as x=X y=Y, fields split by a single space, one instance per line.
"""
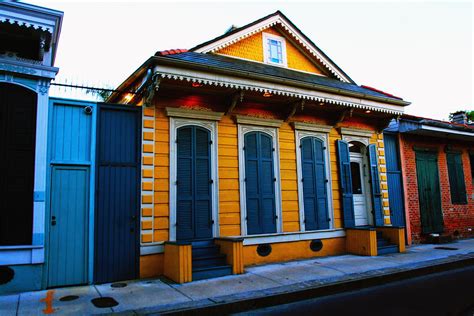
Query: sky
x=420 y=51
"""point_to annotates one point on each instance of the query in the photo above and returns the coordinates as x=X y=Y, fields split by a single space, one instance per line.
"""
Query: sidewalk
x=314 y=276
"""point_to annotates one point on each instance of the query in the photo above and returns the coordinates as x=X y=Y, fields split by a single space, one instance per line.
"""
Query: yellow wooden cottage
x=258 y=148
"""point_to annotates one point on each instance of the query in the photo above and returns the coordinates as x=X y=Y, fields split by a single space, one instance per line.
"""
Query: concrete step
x=206 y=250
x=211 y=272
x=387 y=249
x=209 y=260
x=202 y=243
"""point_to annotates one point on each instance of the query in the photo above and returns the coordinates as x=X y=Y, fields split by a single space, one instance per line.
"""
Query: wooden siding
x=228 y=164
x=251 y=48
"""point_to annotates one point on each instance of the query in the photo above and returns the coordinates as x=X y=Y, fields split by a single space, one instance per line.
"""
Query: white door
x=359 y=188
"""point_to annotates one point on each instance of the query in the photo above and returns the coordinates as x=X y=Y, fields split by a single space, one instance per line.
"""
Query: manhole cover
x=446 y=248
x=68 y=298
x=104 y=302
x=118 y=285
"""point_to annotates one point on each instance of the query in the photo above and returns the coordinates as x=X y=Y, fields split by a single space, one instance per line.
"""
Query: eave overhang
x=174 y=69
x=419 y=128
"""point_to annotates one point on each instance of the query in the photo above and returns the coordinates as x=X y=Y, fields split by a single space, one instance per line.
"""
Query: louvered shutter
x=456 y=178
x=184 y=168
x=345 y=182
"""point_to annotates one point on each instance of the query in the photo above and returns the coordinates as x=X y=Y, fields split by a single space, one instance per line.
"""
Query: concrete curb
x=241 y=302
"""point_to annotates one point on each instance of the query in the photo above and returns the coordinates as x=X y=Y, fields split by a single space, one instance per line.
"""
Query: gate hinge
x=274 y=179
x=211 y=181
x=210 y=142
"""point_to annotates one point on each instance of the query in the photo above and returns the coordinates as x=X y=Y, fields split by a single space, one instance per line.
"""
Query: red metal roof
x=380 y=91
x=171 y=52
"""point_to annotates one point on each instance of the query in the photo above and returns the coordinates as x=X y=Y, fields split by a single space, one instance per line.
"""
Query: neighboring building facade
x=28 y=42
x=437 y=165
x=257 y=148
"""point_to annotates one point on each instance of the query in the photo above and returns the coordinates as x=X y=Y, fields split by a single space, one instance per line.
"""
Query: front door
x=429 y=192
x=259 y=183
x=359 y=190
x=117 y=227
x=194 y=184
x=68 y=251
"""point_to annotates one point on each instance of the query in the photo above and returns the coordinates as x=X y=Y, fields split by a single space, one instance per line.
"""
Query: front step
x=384 y=246
x=207 y=261
x=211 y=272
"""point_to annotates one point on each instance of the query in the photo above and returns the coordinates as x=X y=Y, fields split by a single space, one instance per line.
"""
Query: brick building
x=437 y=159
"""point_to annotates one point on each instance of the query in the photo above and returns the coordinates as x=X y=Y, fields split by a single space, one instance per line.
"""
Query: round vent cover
x=316 y=245
x=264 y=250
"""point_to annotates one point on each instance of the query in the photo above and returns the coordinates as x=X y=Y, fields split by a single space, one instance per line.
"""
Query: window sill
x=293 y=236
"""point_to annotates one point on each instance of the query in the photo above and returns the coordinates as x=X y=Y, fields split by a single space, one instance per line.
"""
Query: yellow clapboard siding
x=162 y=184
x=229 y=207
x=229 y=219
x=161 y=209
x=291 y=216
x=161 y=223
x=291 y=227
x=228 y=184
x=229 y=195
x=229 y=162
x=230 y=230
x=291 y=195
x=289 y=206
x=289 y=185
x=161 y=196
x=228 y=173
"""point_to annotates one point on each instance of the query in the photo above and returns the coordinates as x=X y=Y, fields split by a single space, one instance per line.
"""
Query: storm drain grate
x=68 y=298
x=104 y=302
x=446 y=248
x=118 y=285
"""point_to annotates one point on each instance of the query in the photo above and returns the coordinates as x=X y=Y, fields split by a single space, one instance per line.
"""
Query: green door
x=429 y=192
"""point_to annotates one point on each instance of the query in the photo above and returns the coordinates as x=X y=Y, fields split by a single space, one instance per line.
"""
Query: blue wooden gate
x=70 y=154
x=117 y=193
x=314 y=184
x=394 y=179
x=194 y=198
x=259 y=183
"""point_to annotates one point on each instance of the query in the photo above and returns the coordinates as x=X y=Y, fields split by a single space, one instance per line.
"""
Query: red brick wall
x=456 y=217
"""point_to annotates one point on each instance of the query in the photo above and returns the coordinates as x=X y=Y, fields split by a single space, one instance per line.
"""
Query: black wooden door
x=194 y=184
x=17 y=164
x=429 y=192
x=117 y=193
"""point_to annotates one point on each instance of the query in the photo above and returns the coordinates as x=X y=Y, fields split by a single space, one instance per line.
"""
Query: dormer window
x=274 y=49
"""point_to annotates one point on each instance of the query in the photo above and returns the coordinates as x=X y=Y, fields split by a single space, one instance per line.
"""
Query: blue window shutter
x=346 y=183
x=194 y=189
x=375 y=184
x=314 y=184
x=259 y=183
x=202 y=183
x=321 y=187
x=184 y=205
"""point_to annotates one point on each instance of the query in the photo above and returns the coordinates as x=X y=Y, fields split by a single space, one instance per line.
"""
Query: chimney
x=459 y=117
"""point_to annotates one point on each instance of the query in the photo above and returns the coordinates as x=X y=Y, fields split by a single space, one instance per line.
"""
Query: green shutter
x=456 y=178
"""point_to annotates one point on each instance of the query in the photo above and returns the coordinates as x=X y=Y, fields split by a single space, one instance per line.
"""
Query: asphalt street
x=445 y=293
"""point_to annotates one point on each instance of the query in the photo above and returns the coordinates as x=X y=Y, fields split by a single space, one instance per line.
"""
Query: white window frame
x=324 y=136
x=266 y=37
x=211 y=126
x=273 y=132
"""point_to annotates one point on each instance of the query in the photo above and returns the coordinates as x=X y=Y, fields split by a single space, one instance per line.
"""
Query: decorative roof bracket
x=151 y=89
x=299 y=103
x=238 y=96
x=343 y=116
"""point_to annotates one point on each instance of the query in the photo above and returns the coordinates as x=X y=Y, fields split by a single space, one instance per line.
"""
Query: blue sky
x=421 y=51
